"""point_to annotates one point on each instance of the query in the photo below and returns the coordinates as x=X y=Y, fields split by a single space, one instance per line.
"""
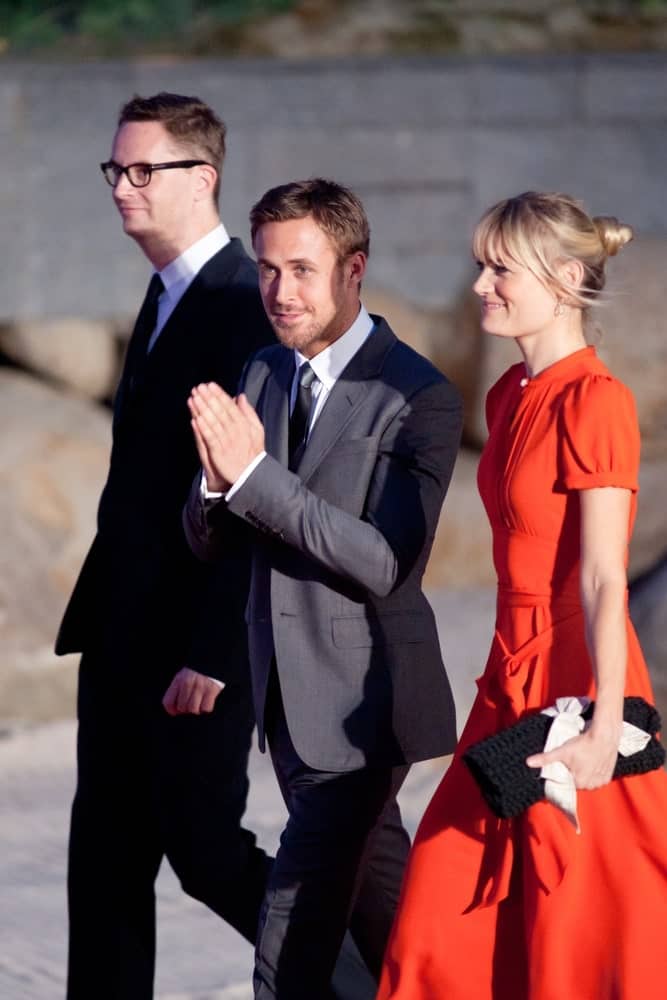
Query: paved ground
x=199 y=958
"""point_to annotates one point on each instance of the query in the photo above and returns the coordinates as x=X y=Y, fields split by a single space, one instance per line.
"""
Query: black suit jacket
x=340 y=550
x=140 y=586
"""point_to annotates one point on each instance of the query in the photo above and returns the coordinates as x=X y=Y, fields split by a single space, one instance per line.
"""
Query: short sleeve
x=600 y=435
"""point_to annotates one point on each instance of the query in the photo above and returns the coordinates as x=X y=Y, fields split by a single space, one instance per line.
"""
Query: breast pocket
x=344 y=475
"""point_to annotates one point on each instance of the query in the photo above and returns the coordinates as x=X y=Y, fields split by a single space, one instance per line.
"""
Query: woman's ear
x=571 y=273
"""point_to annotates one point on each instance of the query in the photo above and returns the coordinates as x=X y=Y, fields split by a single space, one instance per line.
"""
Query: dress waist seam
x=529 y=599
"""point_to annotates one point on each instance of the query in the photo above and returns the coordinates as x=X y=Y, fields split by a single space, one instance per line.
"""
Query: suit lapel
x=346 y=396
x=217 y=271
x=275 y=406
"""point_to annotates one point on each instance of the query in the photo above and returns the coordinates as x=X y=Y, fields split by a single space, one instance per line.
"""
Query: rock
x=484 y=33
x=568 y=24
x=648 y=609
x=632 y=340
x=649 y=538
x=411 y=324
x=461 y=556
x=80 y=354
x=435 y=333
x=53 y=462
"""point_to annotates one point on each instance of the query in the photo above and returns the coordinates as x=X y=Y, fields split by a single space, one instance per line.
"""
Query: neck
x=542 y=350
x=161 y=249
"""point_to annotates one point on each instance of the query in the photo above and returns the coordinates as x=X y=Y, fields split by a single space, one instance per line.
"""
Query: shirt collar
x=330 y=363
x=186 y=266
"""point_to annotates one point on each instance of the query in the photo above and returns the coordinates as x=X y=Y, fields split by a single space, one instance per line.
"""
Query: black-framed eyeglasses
x=139 y=174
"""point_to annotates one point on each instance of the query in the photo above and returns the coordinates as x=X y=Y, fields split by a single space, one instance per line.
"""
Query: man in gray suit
x=339 y=452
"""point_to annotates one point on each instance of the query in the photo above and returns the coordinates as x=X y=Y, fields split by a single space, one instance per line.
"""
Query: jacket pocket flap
x=391 y=628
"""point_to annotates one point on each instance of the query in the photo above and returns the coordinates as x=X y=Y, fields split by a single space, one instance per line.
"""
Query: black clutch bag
x=498 y=763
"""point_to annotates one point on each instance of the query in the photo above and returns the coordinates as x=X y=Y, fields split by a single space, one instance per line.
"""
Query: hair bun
x=613 y=234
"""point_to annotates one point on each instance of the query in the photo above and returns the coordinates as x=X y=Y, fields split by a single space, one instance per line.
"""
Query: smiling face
x=310 y=296
x=176 y=207
x=515 y=303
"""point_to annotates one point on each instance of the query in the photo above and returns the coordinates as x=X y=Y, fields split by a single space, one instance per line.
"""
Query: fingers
x=191 y=693
x=202 y=449
x=169 y=700
x=589 y=769
x=213 y=406
x=213 y=423
x=254 y=424
x=248 y=411
x=228 y=433
x=210 y=695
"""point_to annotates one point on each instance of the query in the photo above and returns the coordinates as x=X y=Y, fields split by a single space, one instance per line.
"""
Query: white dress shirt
x=179 y=275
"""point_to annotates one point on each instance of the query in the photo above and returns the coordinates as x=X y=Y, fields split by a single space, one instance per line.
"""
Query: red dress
x=510 y=909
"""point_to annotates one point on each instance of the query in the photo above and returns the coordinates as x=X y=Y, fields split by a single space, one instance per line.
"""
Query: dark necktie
x=143 y=328
x=298 y=425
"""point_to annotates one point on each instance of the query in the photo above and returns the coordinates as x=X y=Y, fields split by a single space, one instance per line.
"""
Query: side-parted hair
x=541 y=231
x=191 y=122
x=335 y=209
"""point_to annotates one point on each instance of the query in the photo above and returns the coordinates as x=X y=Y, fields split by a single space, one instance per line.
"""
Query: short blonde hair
x=541 y=231
x=335 y=209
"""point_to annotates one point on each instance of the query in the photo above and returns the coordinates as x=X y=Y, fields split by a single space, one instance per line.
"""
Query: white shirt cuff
x=208 y=496
x=249 y=469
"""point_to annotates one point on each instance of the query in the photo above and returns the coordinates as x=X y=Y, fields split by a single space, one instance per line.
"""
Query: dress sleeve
x=600 y=436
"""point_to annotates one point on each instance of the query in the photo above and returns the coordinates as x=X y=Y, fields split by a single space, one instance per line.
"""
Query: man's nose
x=283 y=288
x=122 y=185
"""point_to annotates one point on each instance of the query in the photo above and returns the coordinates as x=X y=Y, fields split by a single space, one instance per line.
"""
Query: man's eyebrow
x=292 y=261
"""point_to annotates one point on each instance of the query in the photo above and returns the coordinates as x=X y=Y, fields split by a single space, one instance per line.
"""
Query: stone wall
x=427 y=143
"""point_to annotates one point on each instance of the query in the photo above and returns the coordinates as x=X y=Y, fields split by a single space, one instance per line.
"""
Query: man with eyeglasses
x=165 y=716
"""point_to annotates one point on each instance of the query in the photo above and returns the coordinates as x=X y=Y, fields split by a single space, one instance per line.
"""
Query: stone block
x=53 y=463
x=79 y=354
x=628 y=87
x=386 y=158
x=524 y=92
x=462 y=552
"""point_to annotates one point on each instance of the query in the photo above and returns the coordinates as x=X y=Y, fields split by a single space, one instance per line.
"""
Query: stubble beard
x=298 y=339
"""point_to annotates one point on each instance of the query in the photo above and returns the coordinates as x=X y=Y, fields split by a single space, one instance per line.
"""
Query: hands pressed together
x=228 y=433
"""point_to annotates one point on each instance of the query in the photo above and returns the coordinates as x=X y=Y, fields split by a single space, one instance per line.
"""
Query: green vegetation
x=91 y=28
x=106 y=27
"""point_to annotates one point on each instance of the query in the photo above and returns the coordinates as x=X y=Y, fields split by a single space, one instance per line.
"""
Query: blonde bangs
x=502 y=236
x=524 y=231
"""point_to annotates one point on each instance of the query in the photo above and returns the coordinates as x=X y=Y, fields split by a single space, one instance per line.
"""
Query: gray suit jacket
x=339 y=555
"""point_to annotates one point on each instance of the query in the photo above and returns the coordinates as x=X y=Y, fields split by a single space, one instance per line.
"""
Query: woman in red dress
x=530 y=908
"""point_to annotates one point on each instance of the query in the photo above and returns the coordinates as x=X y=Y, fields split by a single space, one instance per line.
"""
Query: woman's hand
x=590 y=758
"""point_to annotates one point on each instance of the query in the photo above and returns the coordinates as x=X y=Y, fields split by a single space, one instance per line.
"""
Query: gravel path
x=199 y=958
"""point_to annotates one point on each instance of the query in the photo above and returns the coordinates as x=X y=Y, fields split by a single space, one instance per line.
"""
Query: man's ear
x=356 y=266
x=207 y=177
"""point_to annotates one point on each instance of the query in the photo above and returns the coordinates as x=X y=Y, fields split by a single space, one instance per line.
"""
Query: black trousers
x=340 y=862
x=151 y=785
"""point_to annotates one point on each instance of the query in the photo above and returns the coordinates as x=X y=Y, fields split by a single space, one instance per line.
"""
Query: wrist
x=216 y=484
x=606 y=727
